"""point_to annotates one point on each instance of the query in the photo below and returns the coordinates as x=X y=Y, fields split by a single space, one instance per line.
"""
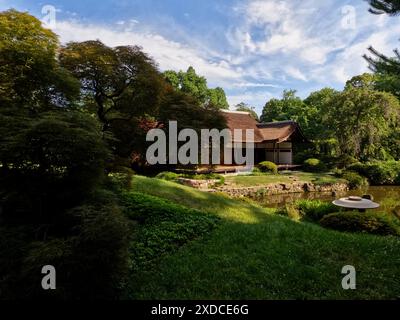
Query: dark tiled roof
x=243 y=121
x=272 y=131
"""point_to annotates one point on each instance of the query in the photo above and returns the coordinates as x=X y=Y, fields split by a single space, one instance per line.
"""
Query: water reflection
x=387 y=196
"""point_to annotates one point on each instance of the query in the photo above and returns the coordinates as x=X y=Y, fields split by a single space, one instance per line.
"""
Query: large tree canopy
x=362 y=119
x=290 y=107
x=52 y=161
x=29 y=73
x=48 y=149
x=286 y=108
x=122 y=83
x=191 y=83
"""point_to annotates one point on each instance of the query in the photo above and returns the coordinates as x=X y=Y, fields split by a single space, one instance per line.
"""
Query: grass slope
x=254 y=254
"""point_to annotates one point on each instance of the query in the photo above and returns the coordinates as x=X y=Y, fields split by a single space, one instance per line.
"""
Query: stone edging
x=283 y=188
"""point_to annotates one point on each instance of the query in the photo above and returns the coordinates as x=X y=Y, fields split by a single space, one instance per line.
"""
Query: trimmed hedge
x=268 y=166
x=313 y=165
x=366 y=222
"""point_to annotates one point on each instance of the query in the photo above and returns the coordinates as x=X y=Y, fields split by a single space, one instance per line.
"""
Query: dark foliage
x=379 y=172
x=314 y=210
x=313 y=165
x=163 y=226
x=391 y=7
x=366 y=222
x=354 y=179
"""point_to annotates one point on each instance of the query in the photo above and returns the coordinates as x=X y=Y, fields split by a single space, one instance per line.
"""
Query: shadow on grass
x=256 y=255
x=219 y=204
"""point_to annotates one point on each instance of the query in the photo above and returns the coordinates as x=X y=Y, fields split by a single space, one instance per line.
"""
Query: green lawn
x=254 y=254
x=286 y=177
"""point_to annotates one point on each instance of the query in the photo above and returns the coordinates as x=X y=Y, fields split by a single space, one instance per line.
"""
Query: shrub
x=51 y=164
x=314 y=210
x=379 y=172
x=256 y=171
x=345 y=160
x=366 y=222
x=163 y=226
x=267 y=166
x=313 y=165
x=92 y=263
x=355 y=180
x=290 y=211
x=167 y=175
x=120 y=180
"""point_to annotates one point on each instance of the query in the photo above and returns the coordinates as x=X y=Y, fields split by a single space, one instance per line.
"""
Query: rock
x=282 y=188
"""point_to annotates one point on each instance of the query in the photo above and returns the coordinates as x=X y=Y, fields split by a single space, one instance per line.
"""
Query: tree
x=122 y=81
x=194 y=84
x=363 y=119
x=191 y=83
x=315 y=126
x=246 y=108
x=286 y=108
x=49 y=162
x=29 y=73
x=121 y=85
x=386 y=68
x=52 y=158
x=217 y=98
x=391 y=7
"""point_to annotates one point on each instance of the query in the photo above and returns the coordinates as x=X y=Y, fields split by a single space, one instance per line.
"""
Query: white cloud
x=295 y=73
x=349 y=61
x=256 y=100
x=168 y=54
x=288 y=29
x=269 y=45
x=255 y=85
x=262 y=12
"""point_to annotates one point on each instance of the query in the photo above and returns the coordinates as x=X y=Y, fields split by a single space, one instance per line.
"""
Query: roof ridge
x=232 y=111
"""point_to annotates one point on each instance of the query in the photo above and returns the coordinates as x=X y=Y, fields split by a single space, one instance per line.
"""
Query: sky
x=253 y=49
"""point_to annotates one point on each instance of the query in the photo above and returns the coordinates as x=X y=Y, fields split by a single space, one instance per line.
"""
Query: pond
x=387 y=196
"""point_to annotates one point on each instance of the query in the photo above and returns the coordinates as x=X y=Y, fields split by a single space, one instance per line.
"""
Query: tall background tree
x=246 y=108
x=363 y=119
x=191 y=83
x=386 y=68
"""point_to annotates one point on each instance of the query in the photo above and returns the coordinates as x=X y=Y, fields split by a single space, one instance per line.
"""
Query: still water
x=387 y=196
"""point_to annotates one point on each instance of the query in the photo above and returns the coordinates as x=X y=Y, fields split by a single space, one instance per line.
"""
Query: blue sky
x=254 y=49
